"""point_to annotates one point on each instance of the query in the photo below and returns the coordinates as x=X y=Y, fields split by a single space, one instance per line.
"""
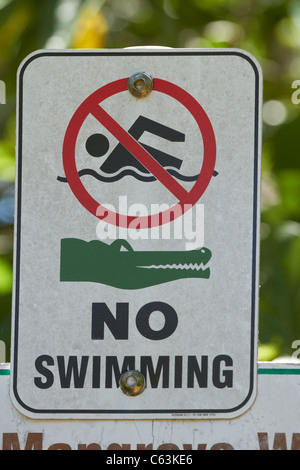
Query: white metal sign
x=136 y=255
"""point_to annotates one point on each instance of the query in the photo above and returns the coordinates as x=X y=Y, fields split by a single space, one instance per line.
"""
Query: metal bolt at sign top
x=132 y=383
x=140 y=84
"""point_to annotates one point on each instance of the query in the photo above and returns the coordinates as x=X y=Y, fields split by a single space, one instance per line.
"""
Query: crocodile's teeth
x=185 y=266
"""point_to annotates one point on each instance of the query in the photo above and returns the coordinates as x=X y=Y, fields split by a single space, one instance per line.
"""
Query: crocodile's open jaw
x=174 y=264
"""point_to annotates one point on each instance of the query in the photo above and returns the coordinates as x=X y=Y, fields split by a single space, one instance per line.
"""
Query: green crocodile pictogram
x=118 y=265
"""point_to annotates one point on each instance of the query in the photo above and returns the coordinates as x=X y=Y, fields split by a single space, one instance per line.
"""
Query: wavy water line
x=128 y=172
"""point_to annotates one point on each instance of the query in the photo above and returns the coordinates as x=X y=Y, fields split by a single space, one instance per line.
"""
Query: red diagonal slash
x=136 y=149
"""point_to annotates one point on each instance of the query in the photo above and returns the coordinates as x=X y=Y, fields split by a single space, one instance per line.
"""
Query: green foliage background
x=268 y=29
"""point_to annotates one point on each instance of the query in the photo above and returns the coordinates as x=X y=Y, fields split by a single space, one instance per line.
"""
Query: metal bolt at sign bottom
x=132 y=383
x=140 y=84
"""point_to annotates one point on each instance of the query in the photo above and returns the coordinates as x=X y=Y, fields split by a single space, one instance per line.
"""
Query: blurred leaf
x=286 y=145
x=90 y=31
x=7 y=162
x=279 y=292
x=268 y=352
x=5 y=276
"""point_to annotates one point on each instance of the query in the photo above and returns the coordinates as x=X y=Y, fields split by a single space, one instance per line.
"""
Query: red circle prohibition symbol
x=186 y=199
